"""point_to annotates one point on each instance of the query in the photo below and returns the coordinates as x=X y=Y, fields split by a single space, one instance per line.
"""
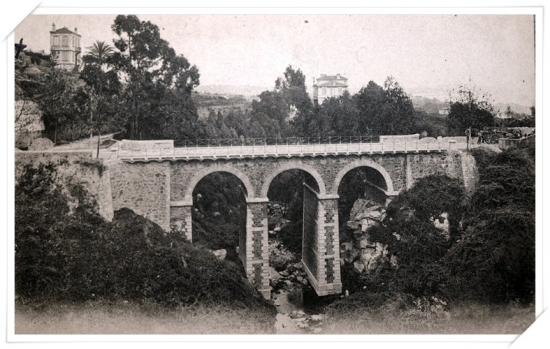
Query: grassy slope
x=468 y=318
x=128 y=318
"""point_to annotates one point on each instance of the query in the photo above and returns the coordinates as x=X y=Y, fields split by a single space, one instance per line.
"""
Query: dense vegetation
x=71 y=254
x=488 y=256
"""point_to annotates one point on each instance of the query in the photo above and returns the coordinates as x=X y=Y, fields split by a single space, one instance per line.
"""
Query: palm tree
x=98 y=53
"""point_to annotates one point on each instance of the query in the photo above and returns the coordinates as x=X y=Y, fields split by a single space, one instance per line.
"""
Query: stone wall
x=74 y=167
x=126 y=144
x=144 y=188
x=448 y=163
x=400 y=138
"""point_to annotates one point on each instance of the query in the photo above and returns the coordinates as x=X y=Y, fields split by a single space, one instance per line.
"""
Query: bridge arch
x=364 y=163
x=219 y=168
x=293 y=166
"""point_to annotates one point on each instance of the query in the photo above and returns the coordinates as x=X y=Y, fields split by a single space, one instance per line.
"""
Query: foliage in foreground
x=372 y=313
x=495 y=257
x=70 y=254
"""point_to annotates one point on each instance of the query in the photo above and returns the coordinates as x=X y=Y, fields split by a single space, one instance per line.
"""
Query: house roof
x=64 y=30
x=331 y=84
x=332 y=77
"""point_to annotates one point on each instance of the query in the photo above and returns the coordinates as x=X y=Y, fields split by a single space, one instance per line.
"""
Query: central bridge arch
x=364 y=163
x=293 y=166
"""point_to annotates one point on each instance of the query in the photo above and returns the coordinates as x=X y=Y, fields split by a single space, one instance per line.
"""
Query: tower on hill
x=65 y=48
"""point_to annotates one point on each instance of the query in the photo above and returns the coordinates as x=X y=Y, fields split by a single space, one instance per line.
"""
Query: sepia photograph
x=274 y=174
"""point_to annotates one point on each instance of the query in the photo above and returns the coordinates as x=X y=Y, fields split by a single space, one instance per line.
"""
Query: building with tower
x=65 y=48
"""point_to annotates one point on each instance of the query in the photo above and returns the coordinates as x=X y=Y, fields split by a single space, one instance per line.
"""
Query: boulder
x=358 y=266
x=347 y=246
x=33 y=71
x=221 y=254
x=41 y=144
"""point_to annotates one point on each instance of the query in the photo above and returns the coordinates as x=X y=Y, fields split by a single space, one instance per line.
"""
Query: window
x=65 y=56
x=65 y=41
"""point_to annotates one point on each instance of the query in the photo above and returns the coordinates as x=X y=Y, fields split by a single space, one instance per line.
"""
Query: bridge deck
x=282 y=150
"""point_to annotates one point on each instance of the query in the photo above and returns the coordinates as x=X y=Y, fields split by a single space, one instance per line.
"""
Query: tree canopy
x=158 y=82
x=469 y=108
x=384 y=110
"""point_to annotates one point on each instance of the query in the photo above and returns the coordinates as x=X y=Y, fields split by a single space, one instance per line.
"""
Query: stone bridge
x=157 y=181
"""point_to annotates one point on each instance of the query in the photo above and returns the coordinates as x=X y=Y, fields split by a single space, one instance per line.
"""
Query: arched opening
x=285 y=209
x=219 y=213
x=363 y=193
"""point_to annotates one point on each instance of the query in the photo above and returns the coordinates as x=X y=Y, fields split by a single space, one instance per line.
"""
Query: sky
x=428 y=55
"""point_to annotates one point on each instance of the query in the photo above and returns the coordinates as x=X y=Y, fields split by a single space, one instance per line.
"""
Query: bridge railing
x=231 y=142
x=287 y=149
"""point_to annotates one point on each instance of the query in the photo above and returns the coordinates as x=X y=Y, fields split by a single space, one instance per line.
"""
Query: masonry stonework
x=256 y=258
x=181 y=221
x=76 y=168
x=163 y=192
x=329 y=256
x=144 y=188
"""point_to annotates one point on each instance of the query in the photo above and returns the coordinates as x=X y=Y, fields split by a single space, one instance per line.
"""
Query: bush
x=494 y=261
x=420 y=245
x=73 y=255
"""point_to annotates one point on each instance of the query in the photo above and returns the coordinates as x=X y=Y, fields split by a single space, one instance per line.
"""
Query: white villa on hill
x=65 y=48
x=328 y=86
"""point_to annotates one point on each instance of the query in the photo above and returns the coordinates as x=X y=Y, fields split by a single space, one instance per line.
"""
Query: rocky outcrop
x=364 y=254
x=28 y=123
x=41 y=144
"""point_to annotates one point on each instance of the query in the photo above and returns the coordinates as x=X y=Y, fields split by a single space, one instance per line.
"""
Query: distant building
x=328 y=86
x=65 y=48
x=444 y=111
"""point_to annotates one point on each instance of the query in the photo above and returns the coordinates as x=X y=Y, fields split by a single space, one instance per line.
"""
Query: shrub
x=73 y=255
x=494 y=261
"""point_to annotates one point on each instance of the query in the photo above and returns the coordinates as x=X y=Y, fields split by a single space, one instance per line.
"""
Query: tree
x=99 y=53
x=102 y=87
x=469 y=107
x=271 y=113
x=153 y=74
x=337 y=116
x=384 y=110
x=56 y=99
x=293 y=88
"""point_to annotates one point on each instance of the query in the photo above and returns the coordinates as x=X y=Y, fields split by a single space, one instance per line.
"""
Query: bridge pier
x=254 y=249
x=320 y=246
